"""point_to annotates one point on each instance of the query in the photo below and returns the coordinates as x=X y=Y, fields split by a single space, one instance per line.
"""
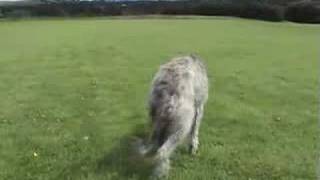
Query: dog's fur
x=178 y=94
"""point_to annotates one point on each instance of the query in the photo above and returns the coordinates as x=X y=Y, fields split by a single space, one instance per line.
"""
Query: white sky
x=11 y=0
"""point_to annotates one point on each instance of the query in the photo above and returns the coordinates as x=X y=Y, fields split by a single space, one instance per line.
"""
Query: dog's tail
x=142 y=148
x=149 y=147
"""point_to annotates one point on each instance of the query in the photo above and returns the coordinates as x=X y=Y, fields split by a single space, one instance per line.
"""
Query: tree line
x=307 y=11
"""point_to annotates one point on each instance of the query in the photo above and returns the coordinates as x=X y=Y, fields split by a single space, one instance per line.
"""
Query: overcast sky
x=11 y=0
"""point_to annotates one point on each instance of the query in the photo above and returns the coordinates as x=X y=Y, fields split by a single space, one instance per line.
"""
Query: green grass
x=74 y=92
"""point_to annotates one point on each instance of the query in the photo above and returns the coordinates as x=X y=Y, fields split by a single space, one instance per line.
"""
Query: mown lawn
x=73 y=95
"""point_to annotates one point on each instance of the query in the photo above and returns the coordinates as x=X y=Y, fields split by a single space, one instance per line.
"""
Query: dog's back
x=179 y=92
x=178 y=87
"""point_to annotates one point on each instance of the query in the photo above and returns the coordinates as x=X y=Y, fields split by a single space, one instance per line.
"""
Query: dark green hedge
x=305 y=11
x=299 y=12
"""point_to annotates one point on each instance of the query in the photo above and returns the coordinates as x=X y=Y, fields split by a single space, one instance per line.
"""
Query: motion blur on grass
x=73 y=96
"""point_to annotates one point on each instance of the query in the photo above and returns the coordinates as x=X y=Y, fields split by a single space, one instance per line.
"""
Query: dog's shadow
x=123 y=161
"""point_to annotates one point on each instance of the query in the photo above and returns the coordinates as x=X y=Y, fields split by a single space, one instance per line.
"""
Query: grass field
x=73 y=95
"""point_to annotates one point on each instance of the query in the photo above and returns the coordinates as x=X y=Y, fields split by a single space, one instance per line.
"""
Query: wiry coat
x=178 y=94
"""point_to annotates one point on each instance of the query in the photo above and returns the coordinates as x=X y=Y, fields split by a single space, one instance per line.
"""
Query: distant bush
x=263 y=11
x=217 y=9
x=77 y=9
x=19 y=13
x=1 y=14
x=248 y=10
x=49 y=10
x=305 y=11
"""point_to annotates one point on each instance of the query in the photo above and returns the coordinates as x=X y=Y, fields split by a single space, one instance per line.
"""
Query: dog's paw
x=193 y=149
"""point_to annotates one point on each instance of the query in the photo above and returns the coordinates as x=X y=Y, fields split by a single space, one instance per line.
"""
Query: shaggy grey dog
x=178 y=94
